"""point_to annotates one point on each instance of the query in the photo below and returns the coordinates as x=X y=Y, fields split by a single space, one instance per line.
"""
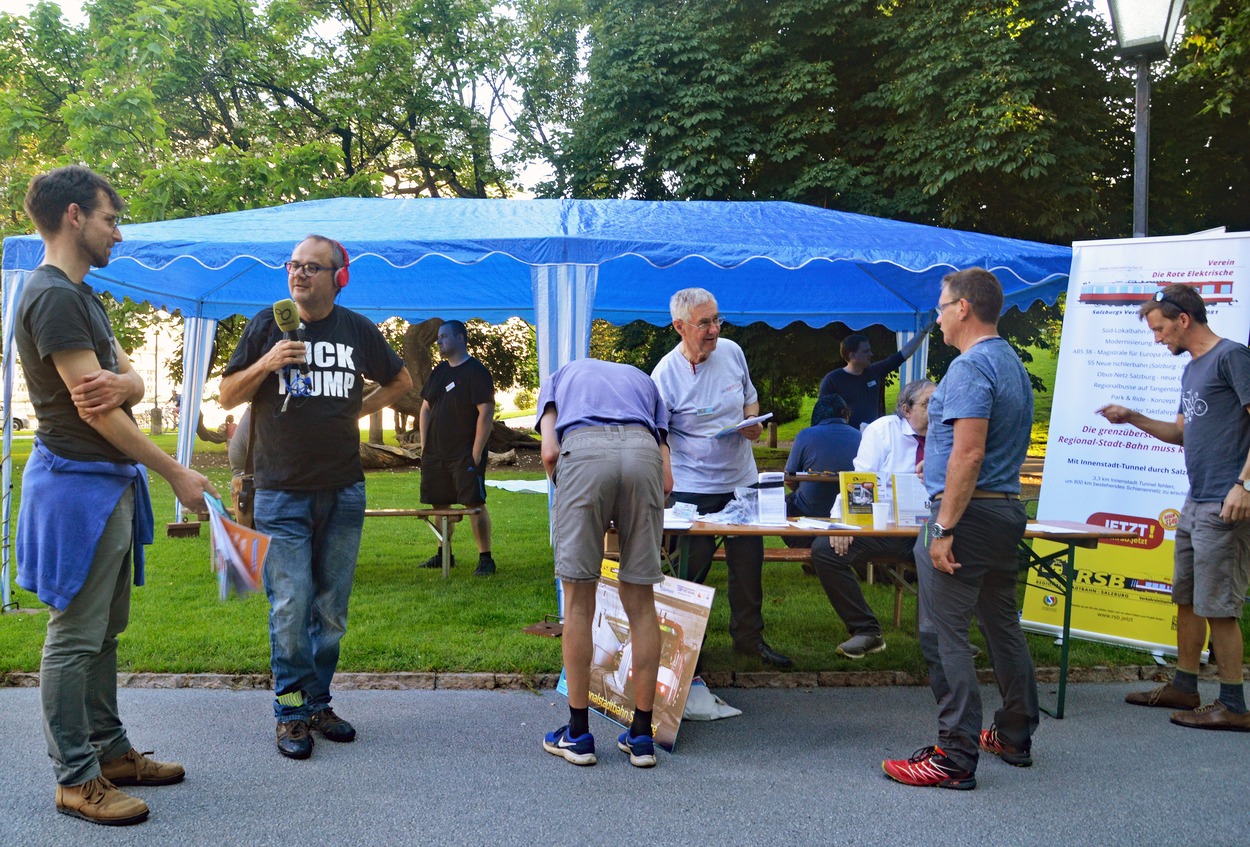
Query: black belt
x=985 y=495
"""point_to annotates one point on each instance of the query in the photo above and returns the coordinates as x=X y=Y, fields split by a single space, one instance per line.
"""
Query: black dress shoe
x=767 y=655
x=294 y=739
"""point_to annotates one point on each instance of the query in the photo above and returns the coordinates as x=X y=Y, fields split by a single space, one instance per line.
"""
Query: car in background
x=18 y=422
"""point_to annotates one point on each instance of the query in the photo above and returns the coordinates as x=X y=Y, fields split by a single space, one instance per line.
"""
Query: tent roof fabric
x=775 y=262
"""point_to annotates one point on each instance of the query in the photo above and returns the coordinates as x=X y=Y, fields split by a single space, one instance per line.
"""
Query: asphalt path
x=798 y=767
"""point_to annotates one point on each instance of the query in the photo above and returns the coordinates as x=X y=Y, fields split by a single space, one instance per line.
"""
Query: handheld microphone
x=286 y=316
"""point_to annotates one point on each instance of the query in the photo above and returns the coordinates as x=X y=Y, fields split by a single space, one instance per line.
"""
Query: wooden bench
x=445 y=517
x=775 y=554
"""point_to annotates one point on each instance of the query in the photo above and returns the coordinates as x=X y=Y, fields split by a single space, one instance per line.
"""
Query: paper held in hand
x=238 y=553
x=758 y=419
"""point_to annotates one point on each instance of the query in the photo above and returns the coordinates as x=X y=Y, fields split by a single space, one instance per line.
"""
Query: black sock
x=579 y=722
x=482 y=557
x=641 y=724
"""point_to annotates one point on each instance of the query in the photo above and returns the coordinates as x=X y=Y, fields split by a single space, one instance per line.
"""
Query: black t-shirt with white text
x=315 y=443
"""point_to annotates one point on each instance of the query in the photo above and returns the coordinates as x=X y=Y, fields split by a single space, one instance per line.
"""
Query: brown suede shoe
x=1214 y=716
x=99 y=801
x=1165 y=695
x=136 y=768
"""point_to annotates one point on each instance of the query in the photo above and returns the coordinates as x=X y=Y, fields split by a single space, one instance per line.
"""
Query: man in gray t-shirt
x=1211 y=567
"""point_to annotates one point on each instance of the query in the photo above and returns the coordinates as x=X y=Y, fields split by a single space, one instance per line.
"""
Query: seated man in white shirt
x=893 y=444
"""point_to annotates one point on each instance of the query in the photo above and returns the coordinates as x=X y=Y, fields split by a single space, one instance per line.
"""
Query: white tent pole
x=198 y=335
x=564 y=302
x=11 y=288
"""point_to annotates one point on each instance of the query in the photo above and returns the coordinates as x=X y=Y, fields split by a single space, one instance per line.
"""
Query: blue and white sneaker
x=579 y=751
x=641 y=749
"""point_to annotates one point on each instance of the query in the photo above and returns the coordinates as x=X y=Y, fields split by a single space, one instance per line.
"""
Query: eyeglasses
x=707 y=323
x=1160 y=297
x=307 y=269
x=111 y=221
x=942 y=306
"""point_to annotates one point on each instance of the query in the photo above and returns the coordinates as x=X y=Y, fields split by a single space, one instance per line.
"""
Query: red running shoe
x=992 y=742
x=929 y=766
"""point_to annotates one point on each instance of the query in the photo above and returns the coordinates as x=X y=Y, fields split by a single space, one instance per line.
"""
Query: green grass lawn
x=404 y=618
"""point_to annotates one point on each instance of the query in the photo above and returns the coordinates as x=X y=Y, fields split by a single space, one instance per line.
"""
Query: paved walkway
x=798 y=767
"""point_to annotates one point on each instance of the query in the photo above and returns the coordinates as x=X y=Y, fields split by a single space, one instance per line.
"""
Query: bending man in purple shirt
x=604 y=433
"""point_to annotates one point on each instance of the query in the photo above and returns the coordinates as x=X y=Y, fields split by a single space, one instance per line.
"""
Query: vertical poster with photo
x=683 y=608
x=1116 y=475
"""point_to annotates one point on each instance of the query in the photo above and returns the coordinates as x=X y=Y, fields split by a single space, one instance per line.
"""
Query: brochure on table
x=1115 y=475
x=683 y=609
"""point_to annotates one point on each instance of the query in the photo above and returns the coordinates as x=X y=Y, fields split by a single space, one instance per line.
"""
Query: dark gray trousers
x=986 y=540
x=841 y=582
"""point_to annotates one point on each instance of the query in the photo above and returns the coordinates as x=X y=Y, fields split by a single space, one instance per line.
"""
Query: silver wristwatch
x=936 y=530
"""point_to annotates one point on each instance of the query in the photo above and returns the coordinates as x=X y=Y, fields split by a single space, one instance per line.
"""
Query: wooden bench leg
x=898 y=605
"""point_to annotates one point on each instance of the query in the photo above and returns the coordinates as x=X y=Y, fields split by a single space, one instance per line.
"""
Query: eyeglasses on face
x=306 y=269
x=707 y=323
x=942 y=306
x=110 y=221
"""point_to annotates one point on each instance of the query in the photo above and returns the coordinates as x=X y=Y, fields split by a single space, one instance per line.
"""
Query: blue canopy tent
x=554 y=263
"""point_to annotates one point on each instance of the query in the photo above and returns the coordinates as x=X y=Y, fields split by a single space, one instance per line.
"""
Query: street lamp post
x=1144 y=32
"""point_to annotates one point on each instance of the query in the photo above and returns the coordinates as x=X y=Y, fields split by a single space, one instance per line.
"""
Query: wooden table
x=1058 y=567
x=445 y=518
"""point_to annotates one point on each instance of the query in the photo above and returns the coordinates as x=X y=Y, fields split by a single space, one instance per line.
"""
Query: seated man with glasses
x=890 y=445
x=706 y=387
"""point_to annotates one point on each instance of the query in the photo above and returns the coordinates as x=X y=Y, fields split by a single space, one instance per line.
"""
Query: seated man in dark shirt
x=829 y=445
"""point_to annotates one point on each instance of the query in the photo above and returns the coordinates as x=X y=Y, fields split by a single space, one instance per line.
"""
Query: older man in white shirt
x=893 y=444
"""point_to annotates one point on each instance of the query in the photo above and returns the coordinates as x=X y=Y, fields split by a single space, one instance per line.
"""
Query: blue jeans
x=308 y=579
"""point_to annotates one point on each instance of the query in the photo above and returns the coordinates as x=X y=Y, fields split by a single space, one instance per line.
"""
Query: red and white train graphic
x=1134 y=293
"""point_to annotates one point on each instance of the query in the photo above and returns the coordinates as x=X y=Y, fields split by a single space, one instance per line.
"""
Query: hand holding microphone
x=286 y=316
x=298 y=382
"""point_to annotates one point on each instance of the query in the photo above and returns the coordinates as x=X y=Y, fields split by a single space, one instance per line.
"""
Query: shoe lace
x=95 y=790
x=924 y=754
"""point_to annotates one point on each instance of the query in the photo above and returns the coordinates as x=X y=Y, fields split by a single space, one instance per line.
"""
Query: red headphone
x=341 y=276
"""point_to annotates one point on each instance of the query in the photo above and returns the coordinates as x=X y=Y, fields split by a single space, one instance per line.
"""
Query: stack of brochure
x=238 y=553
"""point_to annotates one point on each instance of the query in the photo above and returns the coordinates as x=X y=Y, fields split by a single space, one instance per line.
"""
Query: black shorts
x=447 y=482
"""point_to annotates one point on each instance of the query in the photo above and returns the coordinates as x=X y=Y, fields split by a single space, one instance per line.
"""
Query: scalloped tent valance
x=417 y=258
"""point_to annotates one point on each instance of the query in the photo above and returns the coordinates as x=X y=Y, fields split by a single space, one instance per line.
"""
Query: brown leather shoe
x=1214 y=716
x=136 y=768
x=1167 y=696
x=99 y=801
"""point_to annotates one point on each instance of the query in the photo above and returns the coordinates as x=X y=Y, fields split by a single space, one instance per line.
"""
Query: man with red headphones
x=307 y=390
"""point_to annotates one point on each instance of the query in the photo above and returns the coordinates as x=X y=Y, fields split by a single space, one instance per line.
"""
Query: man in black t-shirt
x=457 y=413
x=859 y=383
x=307 y=393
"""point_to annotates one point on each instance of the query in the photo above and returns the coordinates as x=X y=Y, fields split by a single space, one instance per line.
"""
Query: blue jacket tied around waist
x=65 y=505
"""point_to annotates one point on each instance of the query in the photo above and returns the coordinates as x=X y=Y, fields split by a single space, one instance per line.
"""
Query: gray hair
x=911 y=392
x=687 y=299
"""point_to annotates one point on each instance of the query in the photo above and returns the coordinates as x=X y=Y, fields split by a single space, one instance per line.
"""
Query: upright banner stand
x=1118 y=476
